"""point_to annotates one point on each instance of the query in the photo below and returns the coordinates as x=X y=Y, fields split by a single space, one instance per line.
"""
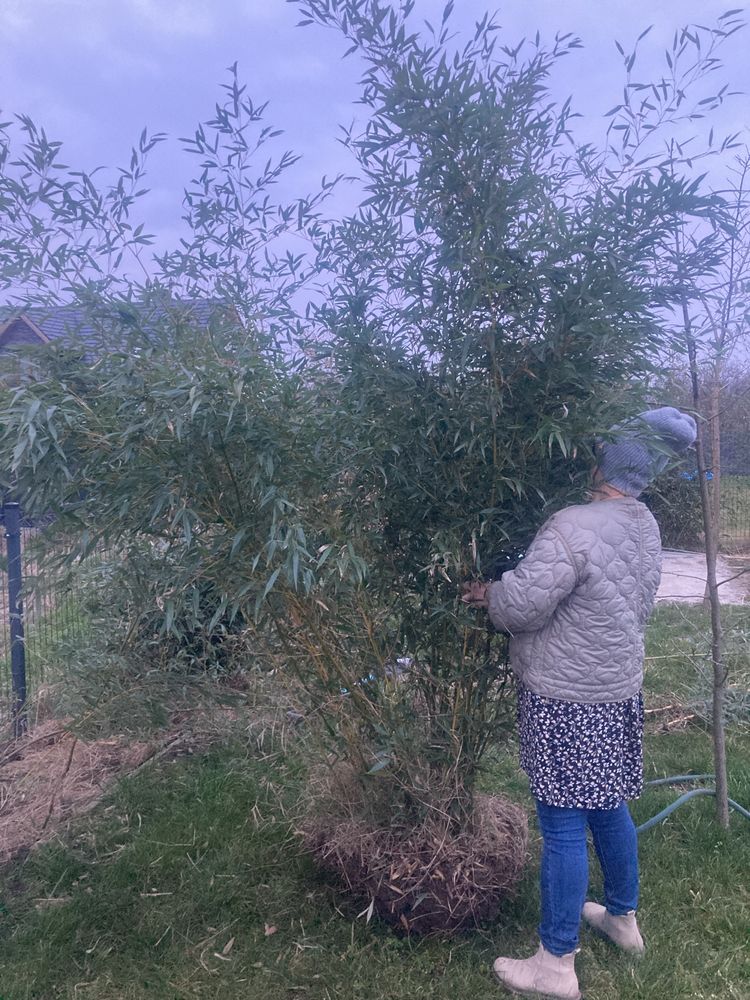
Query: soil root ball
x=426 y=881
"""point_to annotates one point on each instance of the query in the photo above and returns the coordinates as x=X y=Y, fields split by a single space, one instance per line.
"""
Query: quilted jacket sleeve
x=525 y=598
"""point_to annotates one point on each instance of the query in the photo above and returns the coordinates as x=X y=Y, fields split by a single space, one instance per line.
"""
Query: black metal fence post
x=12 y=518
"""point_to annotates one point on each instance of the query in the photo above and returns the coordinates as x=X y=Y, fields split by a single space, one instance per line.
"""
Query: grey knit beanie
x=642 y=448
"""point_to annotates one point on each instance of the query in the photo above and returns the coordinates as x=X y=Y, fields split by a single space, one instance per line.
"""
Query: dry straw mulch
x=429 y=880
x=50 y=776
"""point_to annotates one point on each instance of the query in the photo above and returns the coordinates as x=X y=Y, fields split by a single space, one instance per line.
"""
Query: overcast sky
x=95 y=72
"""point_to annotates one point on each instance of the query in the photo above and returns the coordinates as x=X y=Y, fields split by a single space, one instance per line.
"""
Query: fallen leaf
x=228 y=946
x=47 y=903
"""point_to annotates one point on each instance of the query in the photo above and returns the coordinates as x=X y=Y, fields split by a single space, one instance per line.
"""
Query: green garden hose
x=681 y=779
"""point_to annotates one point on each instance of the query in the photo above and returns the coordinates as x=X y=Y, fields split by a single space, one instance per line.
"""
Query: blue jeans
x=565 y=868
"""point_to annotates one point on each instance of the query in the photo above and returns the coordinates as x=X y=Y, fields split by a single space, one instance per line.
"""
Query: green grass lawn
x=187 y=883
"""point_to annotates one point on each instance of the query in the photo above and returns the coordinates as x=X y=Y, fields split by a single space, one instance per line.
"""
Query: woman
x=576 y=608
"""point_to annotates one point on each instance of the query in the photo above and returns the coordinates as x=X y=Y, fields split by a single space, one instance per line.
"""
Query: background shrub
x=674 y=500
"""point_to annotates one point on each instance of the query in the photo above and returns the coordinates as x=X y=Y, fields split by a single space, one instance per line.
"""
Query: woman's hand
x=475 y=594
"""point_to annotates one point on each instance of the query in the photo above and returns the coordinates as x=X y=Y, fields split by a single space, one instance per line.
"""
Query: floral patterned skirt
x=584 y=756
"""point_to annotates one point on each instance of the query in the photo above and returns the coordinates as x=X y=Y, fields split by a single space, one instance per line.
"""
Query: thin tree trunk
x=713 y=422
x=711 y=544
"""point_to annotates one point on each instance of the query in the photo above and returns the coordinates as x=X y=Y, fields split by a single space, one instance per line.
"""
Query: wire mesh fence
x=735 y=513
x=735 y=487
x=675 y=498
x=51 y=604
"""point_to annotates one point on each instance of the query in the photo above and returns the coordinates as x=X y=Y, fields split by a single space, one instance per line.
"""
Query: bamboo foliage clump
x=319 y=466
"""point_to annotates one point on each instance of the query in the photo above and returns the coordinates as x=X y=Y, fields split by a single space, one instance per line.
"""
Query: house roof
x=46 y=324
x=20 y=330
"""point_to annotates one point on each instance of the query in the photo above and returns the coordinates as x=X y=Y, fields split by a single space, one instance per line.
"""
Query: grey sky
x=95 y=72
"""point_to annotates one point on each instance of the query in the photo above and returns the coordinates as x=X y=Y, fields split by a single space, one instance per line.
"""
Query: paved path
x=683 y=578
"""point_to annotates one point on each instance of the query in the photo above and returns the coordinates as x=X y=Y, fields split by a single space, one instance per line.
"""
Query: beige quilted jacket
x=576 y=606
